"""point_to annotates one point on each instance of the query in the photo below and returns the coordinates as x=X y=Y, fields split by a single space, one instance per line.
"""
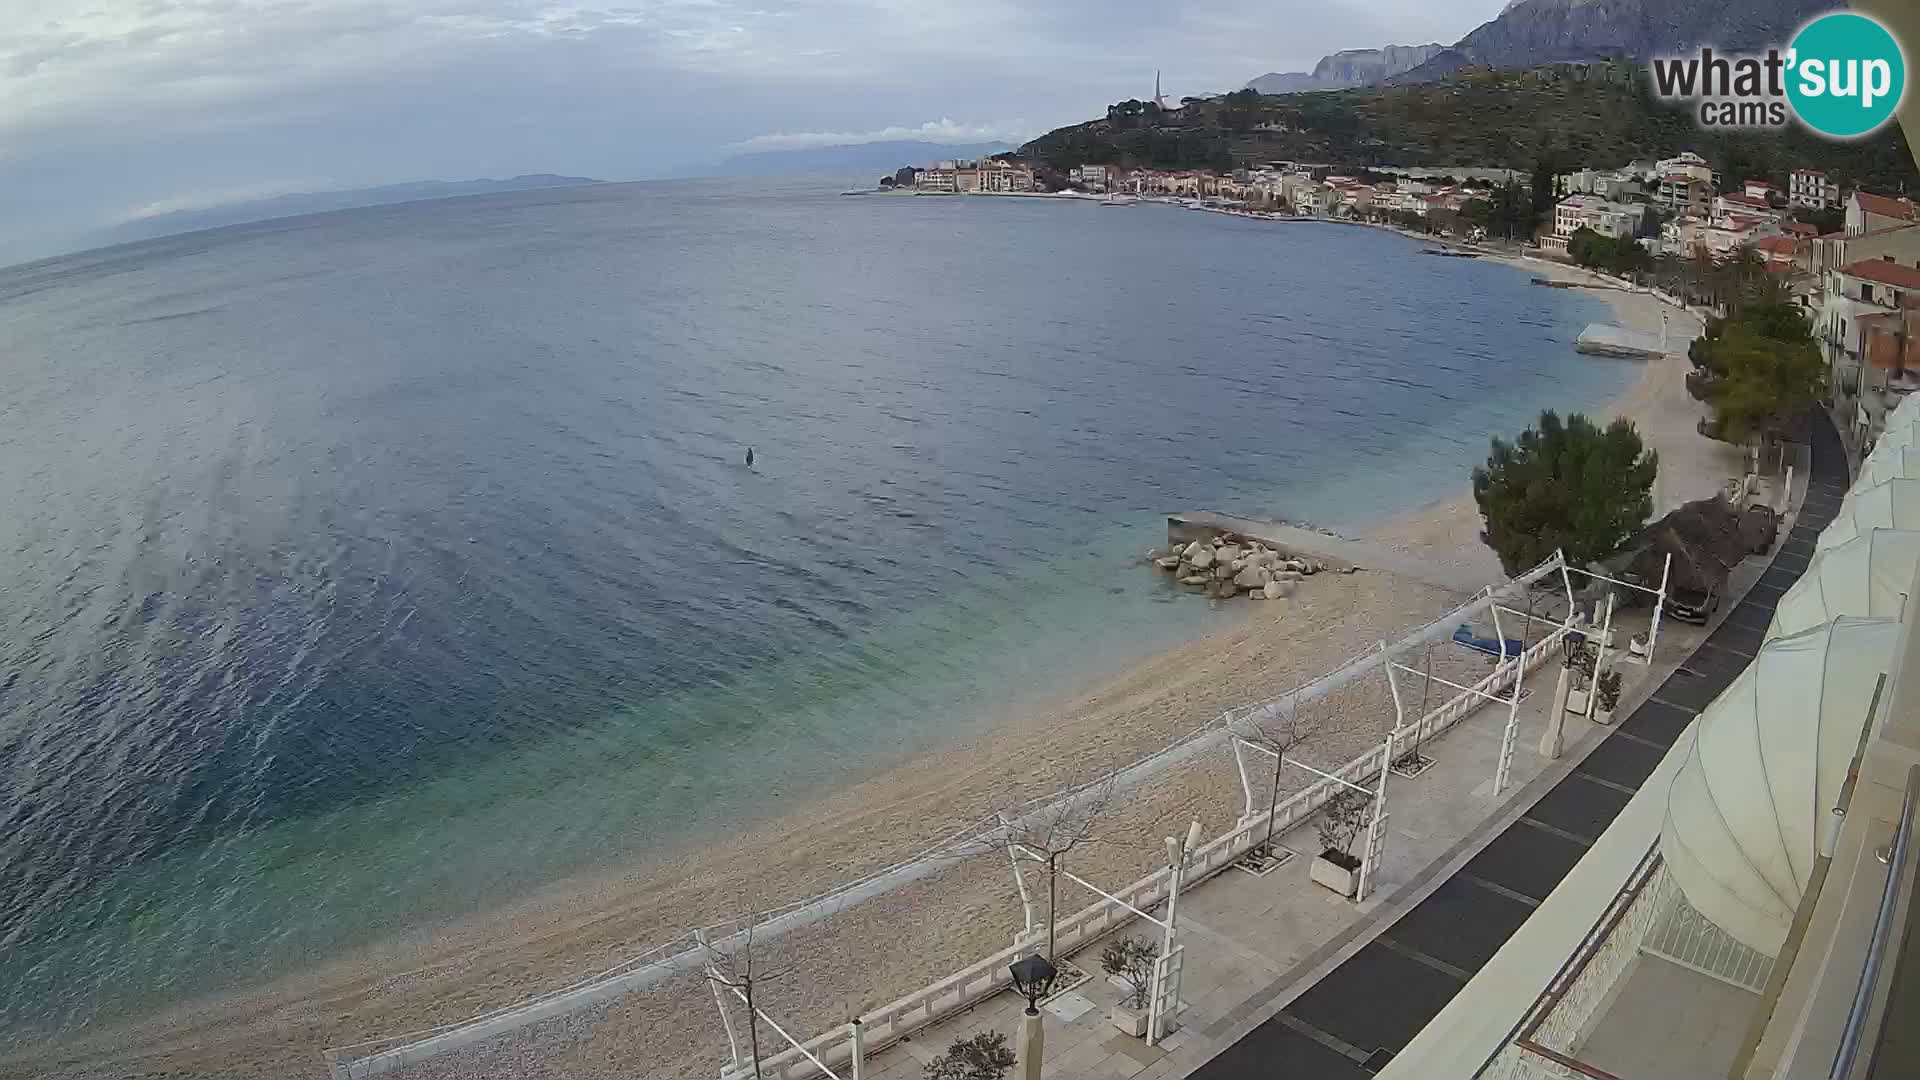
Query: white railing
x=683 y=955
x=967 y=987
x=1685 y=937
x=1541 y=1045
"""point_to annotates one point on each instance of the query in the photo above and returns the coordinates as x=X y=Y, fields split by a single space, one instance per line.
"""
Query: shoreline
x=444 y=972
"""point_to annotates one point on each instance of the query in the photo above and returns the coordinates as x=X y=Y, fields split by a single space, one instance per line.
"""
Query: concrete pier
x=1337 y=552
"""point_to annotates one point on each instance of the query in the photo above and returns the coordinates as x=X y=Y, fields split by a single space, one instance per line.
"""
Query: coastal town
x=1849 y=258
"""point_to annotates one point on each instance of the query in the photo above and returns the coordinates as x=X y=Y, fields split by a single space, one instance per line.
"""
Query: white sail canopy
x=1902 y=431
x=1747 y=810
x=1886 y=463
x=1868 y=575
x=1907 y=412
x=1888 y=504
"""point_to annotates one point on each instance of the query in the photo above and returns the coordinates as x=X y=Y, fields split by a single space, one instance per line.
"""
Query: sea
x=363 y=570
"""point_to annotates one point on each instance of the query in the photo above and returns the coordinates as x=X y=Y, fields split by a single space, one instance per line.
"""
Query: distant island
x=859 y=159
x=315 y=202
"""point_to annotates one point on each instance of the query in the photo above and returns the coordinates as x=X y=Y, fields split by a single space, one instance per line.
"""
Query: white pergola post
x=726 y=1017
x=1566 y=579
x=1246 y=782
x=1504 y=772
x=1659 y=605
x=1377 y=828
x=1399 y=707
x=1026 y=898
x=1163 y=1002
x=1600 y=659
x=791 y=1041
x=858 y=1049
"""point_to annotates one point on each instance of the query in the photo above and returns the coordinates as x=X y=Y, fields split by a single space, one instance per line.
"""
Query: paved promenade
x=1286 y=980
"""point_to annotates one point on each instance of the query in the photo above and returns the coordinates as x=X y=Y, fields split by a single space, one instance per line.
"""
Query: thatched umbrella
x=1706 y=540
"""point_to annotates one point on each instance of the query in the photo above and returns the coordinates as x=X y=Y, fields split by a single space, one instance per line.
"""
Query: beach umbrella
x=1748 y=809
x=1889 y=504
x=1869 y=575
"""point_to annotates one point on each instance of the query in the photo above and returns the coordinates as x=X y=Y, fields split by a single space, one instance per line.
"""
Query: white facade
x=1091 y=177
x=1811 y=188
x=1576 y=212
x=1689 y=164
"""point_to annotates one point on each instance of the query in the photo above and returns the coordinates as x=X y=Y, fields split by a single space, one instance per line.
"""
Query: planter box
x=1335 y=876
x=1131 y=1021
x=1577 y=702
x=1602 y=716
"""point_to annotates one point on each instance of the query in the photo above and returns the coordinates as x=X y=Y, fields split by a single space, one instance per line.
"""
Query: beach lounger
x=1463 y=636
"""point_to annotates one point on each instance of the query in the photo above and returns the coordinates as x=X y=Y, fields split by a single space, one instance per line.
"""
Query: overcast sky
x=113 y=109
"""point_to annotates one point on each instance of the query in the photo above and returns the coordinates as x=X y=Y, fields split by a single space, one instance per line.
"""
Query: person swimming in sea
x=749 y=457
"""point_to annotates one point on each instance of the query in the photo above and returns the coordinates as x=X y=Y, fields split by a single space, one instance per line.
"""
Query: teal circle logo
x=1846 y=75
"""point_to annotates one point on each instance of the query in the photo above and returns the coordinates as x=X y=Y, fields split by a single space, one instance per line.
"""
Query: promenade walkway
x=1352 y=1021
x=1284 y=980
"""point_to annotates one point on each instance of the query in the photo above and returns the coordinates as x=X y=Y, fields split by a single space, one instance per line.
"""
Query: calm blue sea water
x=359 y=569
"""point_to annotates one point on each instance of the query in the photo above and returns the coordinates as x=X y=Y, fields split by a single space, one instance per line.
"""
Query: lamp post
x=1032 y=976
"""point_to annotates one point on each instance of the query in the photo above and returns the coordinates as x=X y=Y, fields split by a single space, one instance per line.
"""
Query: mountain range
x=863 y=160
x=1533 y=32
x=316 y=202
x=1348 y=68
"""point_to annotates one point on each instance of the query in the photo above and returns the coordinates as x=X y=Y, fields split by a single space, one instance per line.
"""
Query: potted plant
x=1341 y=819
x=1608 y=690
x=1580 y=662
x=984 y=1056
x=1131 y=961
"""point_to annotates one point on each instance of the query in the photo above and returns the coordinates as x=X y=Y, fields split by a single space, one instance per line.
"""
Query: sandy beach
x=883 y=948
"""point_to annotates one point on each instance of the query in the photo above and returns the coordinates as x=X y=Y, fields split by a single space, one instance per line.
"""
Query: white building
x=1867 y=212
x=1851 y=269
x=1091 y=177
x=1576 y=212
x=1004 y=177
x=1689 y=164
x=1811 y=188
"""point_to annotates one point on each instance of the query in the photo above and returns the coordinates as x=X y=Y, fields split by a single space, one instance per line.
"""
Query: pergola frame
x=1376 y=827
x=1163 y=992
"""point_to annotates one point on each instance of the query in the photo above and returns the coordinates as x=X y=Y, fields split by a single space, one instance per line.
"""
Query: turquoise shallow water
x=367 y=568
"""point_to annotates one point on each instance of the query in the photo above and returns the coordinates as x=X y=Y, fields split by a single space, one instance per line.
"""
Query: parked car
x=1694 y=606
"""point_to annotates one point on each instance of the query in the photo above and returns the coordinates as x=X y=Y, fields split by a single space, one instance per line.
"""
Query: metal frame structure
x=1163 y=992
x=1376 y=834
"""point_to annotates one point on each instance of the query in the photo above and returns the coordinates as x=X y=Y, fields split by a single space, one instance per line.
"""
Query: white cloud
x=933 y=131
x=201 y=200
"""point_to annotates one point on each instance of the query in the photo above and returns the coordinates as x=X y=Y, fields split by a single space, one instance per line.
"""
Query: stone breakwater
x=1227 y=566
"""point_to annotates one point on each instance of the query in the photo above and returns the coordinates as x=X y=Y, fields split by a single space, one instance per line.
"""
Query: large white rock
x=1275 y=590
x=1171 y=562
x=1195 y=579
x=1251 y=577
x=1287 y=575
x=1200 y=556
x=1227 y=553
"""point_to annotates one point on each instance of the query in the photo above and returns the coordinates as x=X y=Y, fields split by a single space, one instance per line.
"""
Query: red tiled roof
x=1754 y=201
x=1781 y=244
x=1883 y=206
x=1884 y=272
x=1808 y=172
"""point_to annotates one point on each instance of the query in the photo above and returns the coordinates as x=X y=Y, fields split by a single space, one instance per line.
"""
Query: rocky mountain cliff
x=1347 y=68
x=1533 y=32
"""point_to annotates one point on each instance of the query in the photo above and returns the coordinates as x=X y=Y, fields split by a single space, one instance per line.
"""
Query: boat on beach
x=1119 y=200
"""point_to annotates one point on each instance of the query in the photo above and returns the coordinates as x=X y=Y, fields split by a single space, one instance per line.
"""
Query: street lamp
x=1032 y=976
